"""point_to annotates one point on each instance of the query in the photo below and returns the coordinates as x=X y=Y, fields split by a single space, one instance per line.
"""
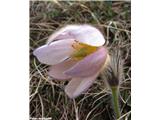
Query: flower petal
x=89 y=65
x=56 y=71
x=83 y=33
x=79 y=85
x=55 y=52
x=89 y=35
x=63 y=33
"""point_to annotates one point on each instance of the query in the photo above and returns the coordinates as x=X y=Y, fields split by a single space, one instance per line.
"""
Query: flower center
x=82 y=50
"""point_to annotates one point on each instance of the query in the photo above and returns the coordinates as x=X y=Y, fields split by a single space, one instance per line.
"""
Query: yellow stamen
x=82 y=50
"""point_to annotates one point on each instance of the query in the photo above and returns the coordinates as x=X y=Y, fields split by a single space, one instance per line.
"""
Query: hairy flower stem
x=115 y=100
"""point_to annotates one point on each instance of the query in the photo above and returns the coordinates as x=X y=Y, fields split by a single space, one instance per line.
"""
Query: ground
x=47 y=97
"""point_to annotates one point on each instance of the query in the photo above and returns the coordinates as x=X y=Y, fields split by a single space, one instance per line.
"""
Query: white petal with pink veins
x=89 y=65
x=79 y=85
x=55 y=52
x=56 y=71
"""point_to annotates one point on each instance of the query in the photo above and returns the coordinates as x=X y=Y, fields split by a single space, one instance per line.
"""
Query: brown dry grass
x=47 y=97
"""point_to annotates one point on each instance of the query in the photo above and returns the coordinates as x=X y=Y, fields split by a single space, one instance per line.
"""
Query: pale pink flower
x=75 y=53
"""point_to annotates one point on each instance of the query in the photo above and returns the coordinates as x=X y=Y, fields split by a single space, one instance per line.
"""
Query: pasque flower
x=75 y=53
